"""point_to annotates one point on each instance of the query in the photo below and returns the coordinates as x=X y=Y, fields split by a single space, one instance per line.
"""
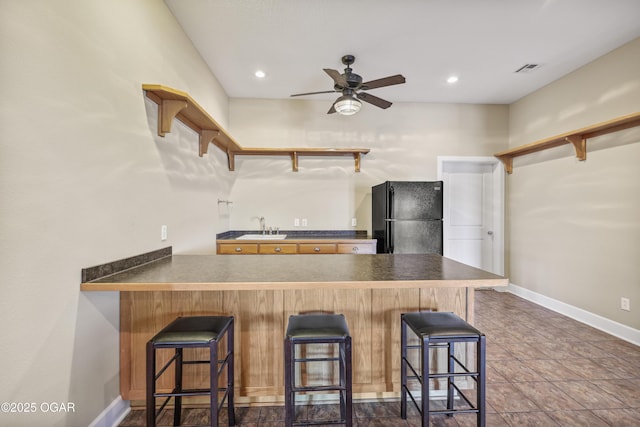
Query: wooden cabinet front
x=278 y=248
x=238 y=248
x=317 y=248
x=299 y=246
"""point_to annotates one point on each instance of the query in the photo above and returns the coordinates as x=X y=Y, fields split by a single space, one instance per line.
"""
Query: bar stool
x=192 y=332
x=441 y=330
x=317 y=329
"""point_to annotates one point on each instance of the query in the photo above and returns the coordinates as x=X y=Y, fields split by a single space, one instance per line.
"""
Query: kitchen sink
x=262 y=237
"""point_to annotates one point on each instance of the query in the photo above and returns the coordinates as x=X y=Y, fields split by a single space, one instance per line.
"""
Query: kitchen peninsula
x=261 y=291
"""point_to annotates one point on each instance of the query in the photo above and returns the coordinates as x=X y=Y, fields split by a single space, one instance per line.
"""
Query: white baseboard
x=619 y=330
x=113 y=414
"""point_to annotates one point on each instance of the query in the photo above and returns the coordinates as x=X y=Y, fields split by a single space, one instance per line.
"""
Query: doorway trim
x=498 y=202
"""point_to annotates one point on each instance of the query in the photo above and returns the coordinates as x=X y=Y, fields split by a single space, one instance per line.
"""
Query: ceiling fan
x=352 y=87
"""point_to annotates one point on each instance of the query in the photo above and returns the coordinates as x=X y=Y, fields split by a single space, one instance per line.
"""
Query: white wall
x=405 y=141
x=575 y=226
x=84 y=179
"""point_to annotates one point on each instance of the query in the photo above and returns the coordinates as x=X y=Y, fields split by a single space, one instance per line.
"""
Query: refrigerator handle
x=390 y=223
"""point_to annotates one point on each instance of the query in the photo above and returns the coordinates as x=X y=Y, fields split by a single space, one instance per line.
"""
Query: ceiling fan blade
x=378 y=102
x=314 y=93
x=332 y=109
x=385 y=81
x=337 y=77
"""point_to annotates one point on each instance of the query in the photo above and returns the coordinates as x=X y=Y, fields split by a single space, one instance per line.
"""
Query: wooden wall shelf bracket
x=231 y=160
x=174 y=104
x=168 y=109
x=579 y=144
x=578 y=138
x=206 y=137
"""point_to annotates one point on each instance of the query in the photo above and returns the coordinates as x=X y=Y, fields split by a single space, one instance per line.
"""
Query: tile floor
x=543 y=369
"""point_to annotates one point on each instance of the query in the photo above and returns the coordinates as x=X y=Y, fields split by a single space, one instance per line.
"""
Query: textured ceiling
x=481 y=41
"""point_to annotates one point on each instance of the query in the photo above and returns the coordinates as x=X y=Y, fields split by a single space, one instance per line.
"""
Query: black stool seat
x=440 y=325
x=193 y=332
x=317 y=329
x=442 y=330
x=320 y=326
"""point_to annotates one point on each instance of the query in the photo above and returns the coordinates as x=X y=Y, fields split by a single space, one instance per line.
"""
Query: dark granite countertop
x=257 y=272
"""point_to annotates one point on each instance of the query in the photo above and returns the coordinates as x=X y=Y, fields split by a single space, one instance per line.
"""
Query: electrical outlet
x=354 y=222
x=304 y=222
x=296 y=222
x=163 y=232
x=625 y=304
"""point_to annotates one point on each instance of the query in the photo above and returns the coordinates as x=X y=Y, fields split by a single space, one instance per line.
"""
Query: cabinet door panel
x=238 y=248
x=317 y=248
x=278 y=248
x=356 y=248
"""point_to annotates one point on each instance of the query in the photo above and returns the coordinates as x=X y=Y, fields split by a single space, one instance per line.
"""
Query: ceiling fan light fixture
x=347 y=105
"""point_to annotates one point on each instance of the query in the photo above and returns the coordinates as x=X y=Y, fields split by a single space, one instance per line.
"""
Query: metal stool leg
x=403 y=369
x=213 y=378
x=342 y=356
x=348 y=385
x=450 y=379
x=289 y=367
x=424 y=352
x=151 y=385
x=177 y=410
x=230 y=375
x=481 y=382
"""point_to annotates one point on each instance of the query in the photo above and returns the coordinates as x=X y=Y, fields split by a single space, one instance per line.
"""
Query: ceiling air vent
x=527 y=68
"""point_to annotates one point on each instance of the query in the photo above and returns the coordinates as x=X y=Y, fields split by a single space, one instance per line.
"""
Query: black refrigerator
x=407 y=217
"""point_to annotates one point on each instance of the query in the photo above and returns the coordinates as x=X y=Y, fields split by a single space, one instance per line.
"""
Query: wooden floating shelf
x=577 y=137
x=173 y=103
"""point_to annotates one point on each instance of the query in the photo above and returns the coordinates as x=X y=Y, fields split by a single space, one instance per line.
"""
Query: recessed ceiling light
x=260 y=74
x=452 y=79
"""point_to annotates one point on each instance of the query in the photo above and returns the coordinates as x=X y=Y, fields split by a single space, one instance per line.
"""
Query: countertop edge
x=257 y=286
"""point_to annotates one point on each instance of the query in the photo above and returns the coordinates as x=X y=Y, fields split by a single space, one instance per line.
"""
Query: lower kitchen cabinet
x=278 y=248
x=317 y=248
x=238 y=248
x=357 y=248
x=299 y=246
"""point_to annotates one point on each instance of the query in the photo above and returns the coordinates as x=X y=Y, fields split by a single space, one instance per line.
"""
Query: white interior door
x=473 y=223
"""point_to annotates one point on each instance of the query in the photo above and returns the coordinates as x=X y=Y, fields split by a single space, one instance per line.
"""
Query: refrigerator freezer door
x=379 y=227
x=415 y=200
x=416 y=237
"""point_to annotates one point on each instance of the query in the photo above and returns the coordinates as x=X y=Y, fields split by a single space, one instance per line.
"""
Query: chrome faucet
x=263 y=227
